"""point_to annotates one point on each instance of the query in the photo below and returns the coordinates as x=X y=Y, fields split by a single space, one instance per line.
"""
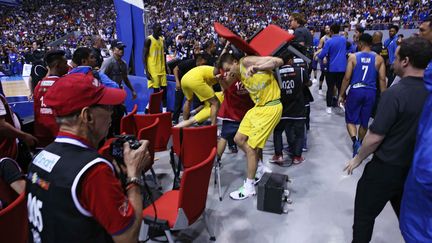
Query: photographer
x=73 y=193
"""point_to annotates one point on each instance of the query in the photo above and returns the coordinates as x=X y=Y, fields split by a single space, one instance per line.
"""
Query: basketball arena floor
x=323 y=195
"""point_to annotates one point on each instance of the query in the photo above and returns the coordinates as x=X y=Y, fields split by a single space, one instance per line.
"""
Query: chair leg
x=155 y=179
x=169 y=236
x=219 y=181
x=207 y=225
x=143 y=234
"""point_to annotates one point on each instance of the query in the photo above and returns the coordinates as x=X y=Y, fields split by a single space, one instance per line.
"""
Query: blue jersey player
x=363 y=70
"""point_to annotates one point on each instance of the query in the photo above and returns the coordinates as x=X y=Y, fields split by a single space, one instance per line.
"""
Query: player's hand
x=341 y=101
x=149 y=77
x=30 y=140
x=134 y=95
x=251 y=70
x=352 y=164
x=136 y=160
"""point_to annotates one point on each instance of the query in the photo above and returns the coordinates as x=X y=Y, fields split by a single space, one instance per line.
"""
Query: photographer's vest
x=53 y=186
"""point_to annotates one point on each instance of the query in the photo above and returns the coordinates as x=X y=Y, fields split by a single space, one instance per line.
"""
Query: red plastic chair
x=14 y=218
x=265 y=43
x=127 y=123
x=155 y=102
x=163 y=130
x=195 y=145
x=149 y=133
x=181 y=208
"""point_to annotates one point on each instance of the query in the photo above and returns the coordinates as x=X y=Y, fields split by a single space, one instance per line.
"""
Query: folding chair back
x=14 y=221
x=197 y=143
x=155 y=102
x=127 y=123
x=194 y=187
x=149 y=133
x=163 y=130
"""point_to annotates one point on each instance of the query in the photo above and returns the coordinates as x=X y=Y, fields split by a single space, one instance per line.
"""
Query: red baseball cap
x=75 y=91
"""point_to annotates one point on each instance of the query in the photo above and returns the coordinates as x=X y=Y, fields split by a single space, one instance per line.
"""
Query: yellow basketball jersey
x=262 y=86
x=156 y=58
x=201 y=73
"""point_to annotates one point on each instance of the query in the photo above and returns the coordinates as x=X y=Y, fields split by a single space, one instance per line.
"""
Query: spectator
x=70 y=173
x=391 y=45
x=98 y=43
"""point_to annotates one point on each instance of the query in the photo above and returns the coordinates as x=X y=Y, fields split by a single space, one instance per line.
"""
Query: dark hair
x=335 y=28
x=80 y=54
x=360 y=29
x=429 y=19
x=299 y=18
x=53 y=56
x=418 y=50
x=226 y=58
x=394 y=27
x=366 y=39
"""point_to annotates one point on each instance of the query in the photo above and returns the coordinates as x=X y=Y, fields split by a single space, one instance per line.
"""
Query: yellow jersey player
x=257 y=77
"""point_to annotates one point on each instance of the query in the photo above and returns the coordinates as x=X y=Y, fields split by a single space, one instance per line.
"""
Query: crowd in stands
x=39 y=23
x=192 y=19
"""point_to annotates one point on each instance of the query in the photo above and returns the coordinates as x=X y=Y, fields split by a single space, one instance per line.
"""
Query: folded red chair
x=177 y=209
x=269 y=41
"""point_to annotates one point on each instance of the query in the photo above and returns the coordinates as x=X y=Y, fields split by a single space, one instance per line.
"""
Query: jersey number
x=34 y=206
x=365 y=70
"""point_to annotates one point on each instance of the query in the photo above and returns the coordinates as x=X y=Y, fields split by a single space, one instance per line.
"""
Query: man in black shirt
x=391 y=139
x=293 y=117
x=181 y=69
x=98 y=43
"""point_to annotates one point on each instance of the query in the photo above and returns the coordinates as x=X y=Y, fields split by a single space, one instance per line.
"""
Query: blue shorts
x=229 y=129
x=359 y=105
x=314 y=64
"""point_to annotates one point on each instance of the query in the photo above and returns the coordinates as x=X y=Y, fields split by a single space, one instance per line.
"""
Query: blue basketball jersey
x=365 y=71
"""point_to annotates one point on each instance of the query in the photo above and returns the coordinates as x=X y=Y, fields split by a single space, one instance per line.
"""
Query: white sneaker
x=261 y=170
x=320 y=92
x=314 y=80
x=243 y=192
x=329 y=110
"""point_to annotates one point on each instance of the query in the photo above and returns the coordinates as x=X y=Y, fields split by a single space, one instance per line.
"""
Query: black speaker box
x=271 y=192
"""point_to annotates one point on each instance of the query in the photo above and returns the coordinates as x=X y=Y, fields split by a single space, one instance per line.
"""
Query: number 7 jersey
x=365 y=71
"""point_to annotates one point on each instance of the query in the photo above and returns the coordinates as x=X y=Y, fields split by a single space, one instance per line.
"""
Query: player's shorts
x=229 y=129
x=259 y=122
x=314 y=64
x=157 y=81
x=204 y=113
x=359 y=105
x=198 y=87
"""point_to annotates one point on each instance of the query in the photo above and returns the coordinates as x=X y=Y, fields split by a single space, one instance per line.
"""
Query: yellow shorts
x=259 y=122
x=157 y=81
x=198 y=87
x=204 y=113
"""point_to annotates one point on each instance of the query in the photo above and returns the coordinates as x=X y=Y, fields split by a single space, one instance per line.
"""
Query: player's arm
x=9 y=131
x=347 y=77
x=145 y=56
x=381 y=73
x=254 y=64
x=177 y=77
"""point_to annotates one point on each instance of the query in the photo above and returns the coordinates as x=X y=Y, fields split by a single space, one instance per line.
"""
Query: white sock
x=249 y=182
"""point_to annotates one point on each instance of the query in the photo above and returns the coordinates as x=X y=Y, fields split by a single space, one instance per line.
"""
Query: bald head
x=377 y=37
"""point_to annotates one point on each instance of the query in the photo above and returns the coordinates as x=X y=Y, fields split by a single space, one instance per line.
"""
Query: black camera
x=116 y=147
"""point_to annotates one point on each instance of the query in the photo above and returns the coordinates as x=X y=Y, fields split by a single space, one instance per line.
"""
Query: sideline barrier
x=22 y=106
